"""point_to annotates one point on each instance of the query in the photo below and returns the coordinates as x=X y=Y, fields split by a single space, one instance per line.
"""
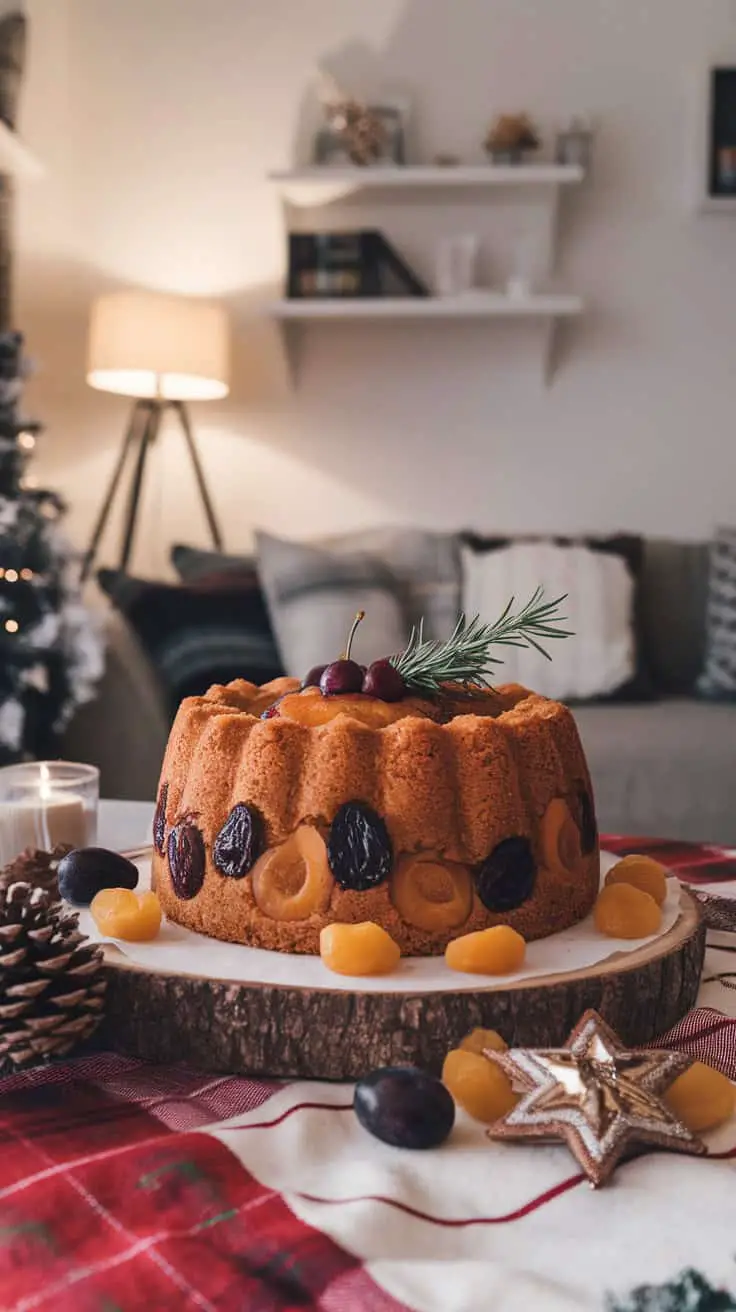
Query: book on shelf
x=362 y=263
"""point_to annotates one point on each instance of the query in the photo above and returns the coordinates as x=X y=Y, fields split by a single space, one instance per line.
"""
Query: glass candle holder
x=44 y=803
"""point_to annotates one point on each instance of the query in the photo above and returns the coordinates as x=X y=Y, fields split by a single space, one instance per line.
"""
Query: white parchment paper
x=180 y=951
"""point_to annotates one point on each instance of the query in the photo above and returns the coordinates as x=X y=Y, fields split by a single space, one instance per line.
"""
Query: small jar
x=574 y=144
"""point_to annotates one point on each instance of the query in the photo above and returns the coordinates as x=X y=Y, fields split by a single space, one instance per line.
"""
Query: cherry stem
x=346 y=654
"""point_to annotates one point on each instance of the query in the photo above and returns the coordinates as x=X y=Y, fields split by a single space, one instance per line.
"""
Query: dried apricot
x=641 y=872
x=363 y=949
x=560 y=838
x=623 y=911
x=311 y=707
x=121 y=913
x=478 y=1084
x=701 y=1097
x=495 y=951
x=293 y=881
x=479 y=1039
x=430 y=893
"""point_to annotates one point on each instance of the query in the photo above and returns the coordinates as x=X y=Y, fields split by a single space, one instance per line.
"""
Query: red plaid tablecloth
x=126 y=1186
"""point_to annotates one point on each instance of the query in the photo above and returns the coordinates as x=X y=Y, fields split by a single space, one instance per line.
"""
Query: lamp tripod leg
x=148 y=436
x=138 y=418
x=214 y=527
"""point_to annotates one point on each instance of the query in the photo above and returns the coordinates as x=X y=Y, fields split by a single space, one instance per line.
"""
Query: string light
x=26 y=441
x=11 y=576
x=11 y=626
x=26 y=575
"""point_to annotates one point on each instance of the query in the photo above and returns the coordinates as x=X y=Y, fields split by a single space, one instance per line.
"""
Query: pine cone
x=35 y=867
x=52 y=989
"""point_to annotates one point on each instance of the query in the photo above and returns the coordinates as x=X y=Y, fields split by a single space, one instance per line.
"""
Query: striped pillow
x=599 y=608
x=718 y=679
x=398 y=576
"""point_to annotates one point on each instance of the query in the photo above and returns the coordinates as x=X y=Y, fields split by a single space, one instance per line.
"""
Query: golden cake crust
x=451 y=781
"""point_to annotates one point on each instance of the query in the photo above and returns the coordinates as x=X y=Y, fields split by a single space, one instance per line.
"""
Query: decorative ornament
x=358 y=127
x=35 y=867
x=52 y=988
x=597 y=1096
x=361 y=129
x=509 y=136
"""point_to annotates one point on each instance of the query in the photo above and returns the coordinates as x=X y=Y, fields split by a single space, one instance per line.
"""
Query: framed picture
x=713 y=146
x=332 y=146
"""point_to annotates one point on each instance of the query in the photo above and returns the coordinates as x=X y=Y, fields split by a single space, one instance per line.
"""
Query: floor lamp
x=162 y=351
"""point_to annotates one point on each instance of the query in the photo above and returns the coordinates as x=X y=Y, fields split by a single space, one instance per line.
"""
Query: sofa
x=663 y=767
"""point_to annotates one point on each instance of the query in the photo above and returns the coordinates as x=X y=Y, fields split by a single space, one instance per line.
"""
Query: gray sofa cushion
x=425 y=567
x=313 y=596
x=673 y=595
x=398 y=576
x=718 y=679
x=665 y=769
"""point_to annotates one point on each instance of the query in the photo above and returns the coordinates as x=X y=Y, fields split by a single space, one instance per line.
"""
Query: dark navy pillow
x=201 y=633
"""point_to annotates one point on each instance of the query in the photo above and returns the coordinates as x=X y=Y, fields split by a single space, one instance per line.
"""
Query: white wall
x=158 y=120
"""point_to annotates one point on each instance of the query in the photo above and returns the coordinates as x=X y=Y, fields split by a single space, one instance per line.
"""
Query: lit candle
x=42 y=819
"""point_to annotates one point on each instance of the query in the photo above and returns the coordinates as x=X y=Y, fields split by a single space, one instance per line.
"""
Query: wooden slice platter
x=314 y=1033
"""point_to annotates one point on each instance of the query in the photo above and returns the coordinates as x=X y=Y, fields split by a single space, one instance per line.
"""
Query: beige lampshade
x=150 y=345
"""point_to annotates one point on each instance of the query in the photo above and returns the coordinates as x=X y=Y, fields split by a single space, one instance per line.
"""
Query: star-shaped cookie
x=597 y=1096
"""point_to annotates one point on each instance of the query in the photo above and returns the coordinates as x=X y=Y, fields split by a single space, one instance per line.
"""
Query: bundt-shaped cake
x=281 y=811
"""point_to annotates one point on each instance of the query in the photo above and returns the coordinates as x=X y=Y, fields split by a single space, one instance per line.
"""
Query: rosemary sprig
x=466 y=657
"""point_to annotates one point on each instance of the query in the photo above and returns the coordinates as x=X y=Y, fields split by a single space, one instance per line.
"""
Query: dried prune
x=186 y=859
x=404 y=1107
x=84 y=873
x=588 y=826
x=506 y=877
x=359 y=848
x=239 y=843
x=159 y=821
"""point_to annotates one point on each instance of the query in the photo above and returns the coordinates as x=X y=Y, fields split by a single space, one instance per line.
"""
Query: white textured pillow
x=599 y=609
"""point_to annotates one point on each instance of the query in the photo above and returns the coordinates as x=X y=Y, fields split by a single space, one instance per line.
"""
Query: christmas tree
x=50 y=648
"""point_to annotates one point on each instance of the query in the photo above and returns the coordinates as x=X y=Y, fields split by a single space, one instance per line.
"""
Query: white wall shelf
x=319 y=185
x=344 y=197
x=476 y=305
x=546 y=309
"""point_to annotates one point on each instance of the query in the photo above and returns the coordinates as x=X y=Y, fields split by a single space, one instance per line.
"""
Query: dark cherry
x=186 y=859
x=506 y=877
x=341 y=676
x=84 y=873
x=159 y=821
x=404 y=1107
x=312 y=679
x=383 y=680
x=272 y=710
x=345 y=675
x=588 y=826
x=359 y=849
x=239 y=843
